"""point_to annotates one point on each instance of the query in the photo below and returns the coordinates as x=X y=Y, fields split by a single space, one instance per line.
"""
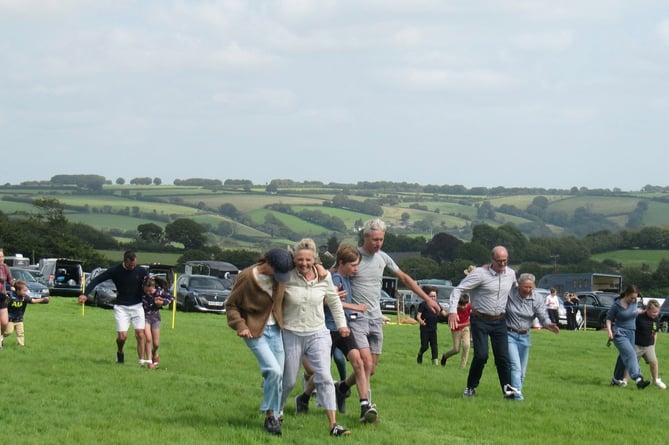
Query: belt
x=488 y=316
x=518 y=331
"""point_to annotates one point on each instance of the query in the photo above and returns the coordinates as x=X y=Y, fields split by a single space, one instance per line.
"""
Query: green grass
x=64 y=387
x=634 y=257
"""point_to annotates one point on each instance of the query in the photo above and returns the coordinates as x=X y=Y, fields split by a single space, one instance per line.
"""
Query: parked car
x=104 y=294
x=664 y=316
x=594 y=306
x=204 y=293
x=388 y=304
x=443 y=296
x=35 y=288
x=64 y=277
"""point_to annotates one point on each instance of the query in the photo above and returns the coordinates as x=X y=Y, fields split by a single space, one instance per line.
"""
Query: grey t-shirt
x=366 y=283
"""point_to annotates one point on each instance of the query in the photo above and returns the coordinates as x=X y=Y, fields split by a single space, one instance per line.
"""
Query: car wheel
x=188 y=305
x=96 y=302
x=664 y=325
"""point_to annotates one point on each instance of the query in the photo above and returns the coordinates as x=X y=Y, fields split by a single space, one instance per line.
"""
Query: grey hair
x=526 y=277
x=373 y=225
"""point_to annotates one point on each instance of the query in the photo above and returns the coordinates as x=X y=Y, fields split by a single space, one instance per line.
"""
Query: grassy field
x=634 y=257
x=63 y=387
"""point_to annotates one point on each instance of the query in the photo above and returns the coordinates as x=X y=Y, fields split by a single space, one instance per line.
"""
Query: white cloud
x=544 y=41
x=662 y=31
x=422 y=79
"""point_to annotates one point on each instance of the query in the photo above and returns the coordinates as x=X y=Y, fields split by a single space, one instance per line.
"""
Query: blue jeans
x=519 y=352
x=481 y=330
x=268 y=350
x=627 y=359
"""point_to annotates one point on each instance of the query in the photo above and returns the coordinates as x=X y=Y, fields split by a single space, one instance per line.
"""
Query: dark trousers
x=428 y=339
x=554 y=316
x=481 y=330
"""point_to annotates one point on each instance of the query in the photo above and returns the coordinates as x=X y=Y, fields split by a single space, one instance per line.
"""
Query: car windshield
x=606 y=300
x=207 y=283
x=22 y=274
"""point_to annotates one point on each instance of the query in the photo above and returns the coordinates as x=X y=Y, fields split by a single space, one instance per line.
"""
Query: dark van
x=63 y=276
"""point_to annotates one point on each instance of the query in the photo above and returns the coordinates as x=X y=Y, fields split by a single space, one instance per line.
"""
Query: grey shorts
x=647 y=352
x=367 y=333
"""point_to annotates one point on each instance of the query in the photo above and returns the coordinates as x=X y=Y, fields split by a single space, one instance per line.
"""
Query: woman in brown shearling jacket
x=254 y=311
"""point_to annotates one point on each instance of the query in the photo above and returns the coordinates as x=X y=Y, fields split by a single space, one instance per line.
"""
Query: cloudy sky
x=535 y=93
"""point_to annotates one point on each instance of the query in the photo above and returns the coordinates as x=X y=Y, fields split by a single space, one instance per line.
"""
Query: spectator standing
x=18 y=302
x=367 y=330
x=5 y=281
x=128 y=308
x=427 y=321
x=523 y=306
x=461 y=334
x=553 y=306
x=571 y=302
x=488 y=288
x=623 y=313
x=254 y=311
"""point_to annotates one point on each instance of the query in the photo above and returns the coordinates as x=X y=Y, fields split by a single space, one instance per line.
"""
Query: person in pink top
x=461 y=335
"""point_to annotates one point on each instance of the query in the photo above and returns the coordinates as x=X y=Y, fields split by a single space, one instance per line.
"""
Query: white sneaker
x=511 y=391
x=659 y=383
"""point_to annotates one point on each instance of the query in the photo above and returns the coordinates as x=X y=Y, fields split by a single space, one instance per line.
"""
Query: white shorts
x=123 y=315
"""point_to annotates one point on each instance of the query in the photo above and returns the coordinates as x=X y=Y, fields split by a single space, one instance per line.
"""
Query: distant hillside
x=241 y=216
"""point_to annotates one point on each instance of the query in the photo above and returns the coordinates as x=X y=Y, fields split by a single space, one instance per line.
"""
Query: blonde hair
x=307 y=244
x=653 y=303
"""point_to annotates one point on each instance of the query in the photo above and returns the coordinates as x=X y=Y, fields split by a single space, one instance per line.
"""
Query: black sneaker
x=469 y=392
x=419 y=359
x=338 y=430
x=341 y=398
x=443 y=360
x=641 y=383
x=119 y=357
x=300 y=405
x=272 y=425
x=368 y=413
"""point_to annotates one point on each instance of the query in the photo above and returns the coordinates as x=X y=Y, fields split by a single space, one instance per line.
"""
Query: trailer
x=582 y=282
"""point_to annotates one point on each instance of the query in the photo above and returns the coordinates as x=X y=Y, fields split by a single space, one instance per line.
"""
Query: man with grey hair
x=488 y=288
x=523 y=306
x=366 y=284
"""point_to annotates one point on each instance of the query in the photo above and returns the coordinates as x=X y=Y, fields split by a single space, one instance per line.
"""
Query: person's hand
x=344 y=331
x=245 y=333
x=434 y=305
x=453 y=321
x=553 y=328
x=82 y=299
x=158 y=301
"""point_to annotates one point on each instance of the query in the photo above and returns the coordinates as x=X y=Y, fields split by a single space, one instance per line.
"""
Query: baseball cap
x=281 y=262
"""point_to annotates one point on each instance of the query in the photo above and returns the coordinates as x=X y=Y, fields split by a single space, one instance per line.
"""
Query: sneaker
x=419 y=359
x=435 y=362
x=616 y=382
x=659 y=383
x=510 y=391
x=469 y=392
x=641 y=383
x=443 y=360
x=368 y=413
x=156 y=360
x=272 y=425
x=300 y=405
x=120 y=358
x=341 y=398
x=338 y=430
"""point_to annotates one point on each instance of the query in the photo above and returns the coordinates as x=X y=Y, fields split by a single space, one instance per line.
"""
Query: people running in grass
x=18 y=302
x=128 y=308
x=461 y=334
x=156 y=296
x=427 y=321
x=621 y=329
